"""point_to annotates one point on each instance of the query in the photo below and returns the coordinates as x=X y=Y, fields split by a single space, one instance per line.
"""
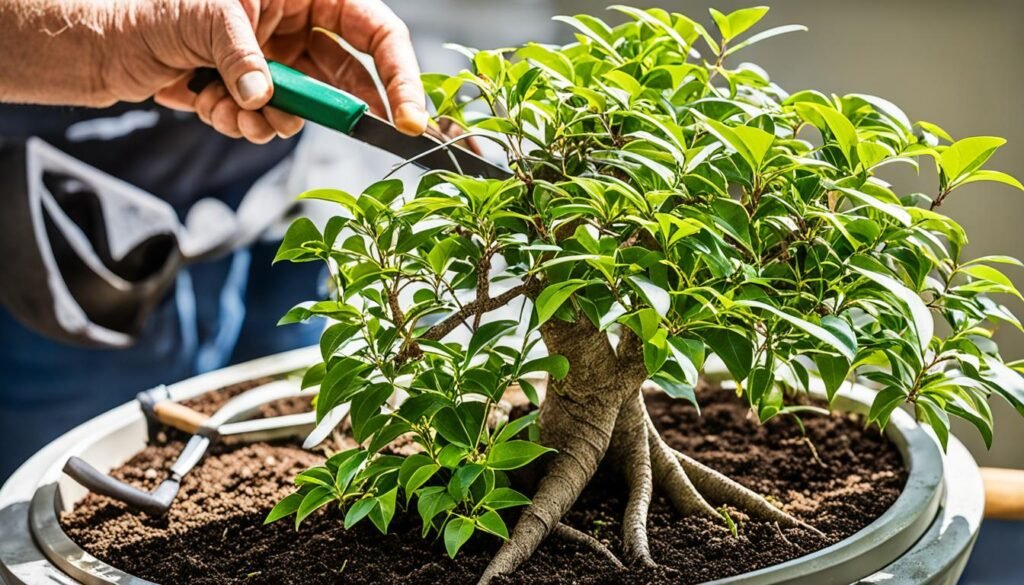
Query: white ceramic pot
x=924 y=538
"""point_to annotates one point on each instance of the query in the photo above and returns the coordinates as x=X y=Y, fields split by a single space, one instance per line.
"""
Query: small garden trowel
x=313 y=100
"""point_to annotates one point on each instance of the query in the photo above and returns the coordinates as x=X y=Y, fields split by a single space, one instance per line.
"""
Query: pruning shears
x=311 y=99
x=231 y=424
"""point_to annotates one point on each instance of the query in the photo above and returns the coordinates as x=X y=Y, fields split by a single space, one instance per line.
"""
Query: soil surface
x=837 y=476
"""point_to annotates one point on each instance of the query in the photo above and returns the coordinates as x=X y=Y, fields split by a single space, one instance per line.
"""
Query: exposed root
x=590 y=413
x=721 y=488
x=630 y=449
x=782 y=535
x=581 y=434
x=672 y=480
x=570 y=534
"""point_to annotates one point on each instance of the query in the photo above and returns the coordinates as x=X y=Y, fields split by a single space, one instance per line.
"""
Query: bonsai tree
x=666 y=206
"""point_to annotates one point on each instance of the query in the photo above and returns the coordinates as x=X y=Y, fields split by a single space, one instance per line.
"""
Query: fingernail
x=253 y=85
x=411 y=119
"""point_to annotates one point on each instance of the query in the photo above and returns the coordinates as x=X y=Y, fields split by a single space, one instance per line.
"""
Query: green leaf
x=556 y=365
x=936 y=418
x=418 y=478
x=592 y=28
x=300 y=232
x=765 y=35
x=624 y=81
x=655 y=296
x=317 y=498
x=757 y=141
x=991 y=275
x=334 y=196
x=656 y=351
x=365 y=412
x=432 y=501
x=501 y=498
x=675 y=388
x=995 y=259
x=440 y=256
x=491 y=522
x=835 y=122
x=937 y=131
x=451 y=455
x=733 y=218
x=410 y=465
x=358 y=511
x=759 y=386
x=382 y=514
x=530 y=391
x=833 y=371
x=297 y=314
x=820 y=333
x=995 y=176
x=514 y=454
x=385 y=191
x=347 y=469
x=729 y=136
x=895 y=211
x=885 y=402
x=920 y=316
x=462 y=479
x=315 y=476
x=516 y=426
x=334 y=337
x=1006 y=382
x=456 y=533
x=486 y=335
x=461 y=426
x=552 y=298
x=967 y=155
x=733 y=348
x=286 y=507
x=554 y=62
x=736 y=23
x=689 y=354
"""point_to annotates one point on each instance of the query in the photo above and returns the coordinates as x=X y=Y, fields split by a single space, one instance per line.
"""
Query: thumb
x=238 y=57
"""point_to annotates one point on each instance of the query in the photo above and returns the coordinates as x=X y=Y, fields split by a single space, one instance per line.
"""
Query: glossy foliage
x=660 y=188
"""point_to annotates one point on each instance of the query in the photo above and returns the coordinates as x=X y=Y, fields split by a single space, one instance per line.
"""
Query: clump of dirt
x=838 y=476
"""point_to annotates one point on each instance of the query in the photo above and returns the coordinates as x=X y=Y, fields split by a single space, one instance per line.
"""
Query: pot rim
x=878 y=544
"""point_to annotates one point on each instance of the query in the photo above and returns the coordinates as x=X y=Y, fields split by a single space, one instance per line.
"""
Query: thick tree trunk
x=596 y=409
x=577 y=419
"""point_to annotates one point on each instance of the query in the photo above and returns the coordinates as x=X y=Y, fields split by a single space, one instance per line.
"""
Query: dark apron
x=87 y=254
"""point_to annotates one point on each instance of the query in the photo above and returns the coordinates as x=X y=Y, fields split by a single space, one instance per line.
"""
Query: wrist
x=122 y=53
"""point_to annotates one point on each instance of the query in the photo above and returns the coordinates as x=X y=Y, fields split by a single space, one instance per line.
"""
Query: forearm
x=54 y=51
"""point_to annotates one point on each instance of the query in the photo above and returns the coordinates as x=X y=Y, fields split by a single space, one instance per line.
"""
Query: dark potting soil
x=837 y=477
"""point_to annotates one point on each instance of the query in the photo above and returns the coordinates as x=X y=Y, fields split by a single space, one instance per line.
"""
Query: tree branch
x=477 y=306
x=483 y=283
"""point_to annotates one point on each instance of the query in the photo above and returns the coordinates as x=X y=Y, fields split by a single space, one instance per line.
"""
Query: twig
x=486 y=305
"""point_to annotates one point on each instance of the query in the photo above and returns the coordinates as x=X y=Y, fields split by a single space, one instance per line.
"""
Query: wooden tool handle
x=179 y=416
x=1004 y=493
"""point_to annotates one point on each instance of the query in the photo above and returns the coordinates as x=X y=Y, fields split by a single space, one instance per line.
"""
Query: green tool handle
x=301 y=95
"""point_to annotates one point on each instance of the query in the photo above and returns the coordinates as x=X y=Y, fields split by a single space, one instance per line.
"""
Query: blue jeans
x=996 y=559
x=219 y=313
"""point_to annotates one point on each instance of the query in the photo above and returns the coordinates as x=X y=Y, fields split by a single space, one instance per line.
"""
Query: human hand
x=157 y=53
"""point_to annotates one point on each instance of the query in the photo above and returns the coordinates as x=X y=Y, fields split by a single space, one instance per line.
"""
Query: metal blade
x=372 y=130
x=249 y=402
x=268 y=429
